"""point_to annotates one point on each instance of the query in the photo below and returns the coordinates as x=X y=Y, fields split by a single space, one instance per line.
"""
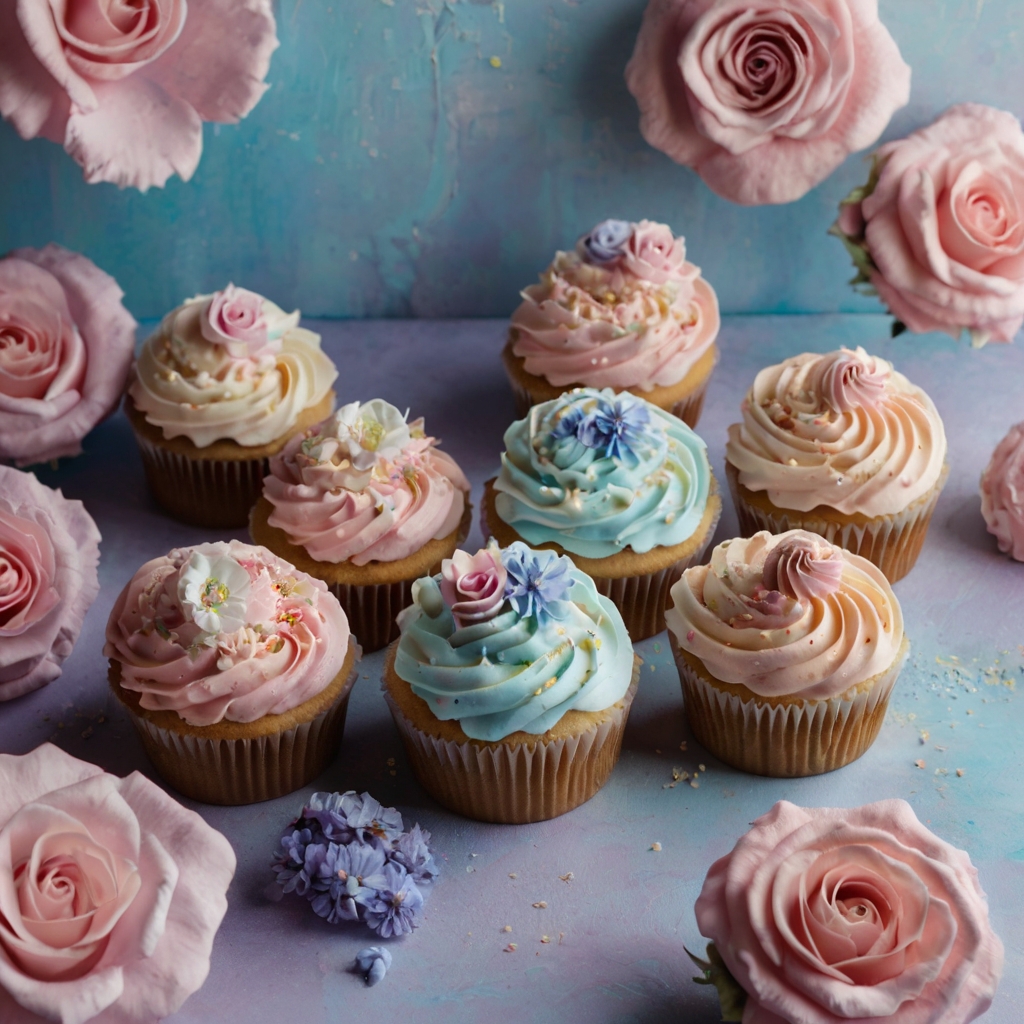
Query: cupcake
x=1002 y=493
x=368 y=503
x=622 y=487
x=842 y=445
x=221 y=386
x=511 y=684
x=788 y=648
x=235 y=668
x=624 y=310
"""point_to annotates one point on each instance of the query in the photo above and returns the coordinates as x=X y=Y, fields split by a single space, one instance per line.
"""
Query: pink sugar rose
x=1002 y=493
x=830 y=915
x=66 y=345
x=765 y=102
x=938 y=231
x=654 y=254
x=49 y=550
x=473 y=586
x=110 y=894
x=235 y=319
x=125 y=85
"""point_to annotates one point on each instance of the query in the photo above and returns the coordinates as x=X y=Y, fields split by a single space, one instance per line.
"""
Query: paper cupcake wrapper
x=246 y=771
x=785 y=740
x=892 y=542
x=215 y=493
x=515 y=784
x=372 y=610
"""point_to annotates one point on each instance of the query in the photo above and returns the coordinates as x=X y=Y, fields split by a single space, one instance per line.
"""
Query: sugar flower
x=373 y=963
x=397 y=907
x=347 y=816
x=214 y=592
x=473 y=586
x=617 y=427
x=607 y=242
x=537 y=581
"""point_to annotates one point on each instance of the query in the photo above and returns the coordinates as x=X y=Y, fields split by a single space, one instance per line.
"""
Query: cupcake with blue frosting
x=511 y=684
x=621 y=486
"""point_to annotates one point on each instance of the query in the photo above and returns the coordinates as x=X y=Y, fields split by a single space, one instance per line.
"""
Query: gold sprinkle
x=495 y=62
x=544 y=938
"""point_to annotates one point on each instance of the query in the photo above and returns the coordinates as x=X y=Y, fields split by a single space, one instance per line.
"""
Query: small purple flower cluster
x=537 y=581
x=618 y=427
x=351 y=858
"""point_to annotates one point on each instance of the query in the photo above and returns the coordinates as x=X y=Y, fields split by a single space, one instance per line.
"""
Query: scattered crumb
x=544 y=938
x=567 y=877
x=941 y=771
x=391 y=762
x=392 y=772
x=473 y=855
x=656 y=750
x=959 y=773
x=540 y=905
x=694 y=784
x=561 y=935
x=507 y=928
x=510 y=948
x=656 y=847
x=919 y=763
x=924 y=735
x=702 y=768
x=470 y=868
x=86 y=733
x=682 y=746
x=941 y=750
x=512 y=874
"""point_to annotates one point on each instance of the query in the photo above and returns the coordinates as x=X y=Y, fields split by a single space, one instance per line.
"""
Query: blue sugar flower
x=373 y=963
x=353 y=874
x=537 y=580
x=347 y=816
x=413 y=853
x=607 y=242
x=569 y=424
x=618 y=427
x=396 y=908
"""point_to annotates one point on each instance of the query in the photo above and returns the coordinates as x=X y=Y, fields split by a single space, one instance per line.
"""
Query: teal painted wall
x=392 y=170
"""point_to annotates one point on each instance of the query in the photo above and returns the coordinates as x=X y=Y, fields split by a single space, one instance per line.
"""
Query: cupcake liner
x=785 y=740
x=516 y=783
x=892 y=542
x=373 y=608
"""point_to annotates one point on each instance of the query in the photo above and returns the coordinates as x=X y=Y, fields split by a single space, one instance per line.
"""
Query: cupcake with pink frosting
x=845 y=446
x=235 y=668
x=788 y=648
x=1002 y=493
x=219 y=389
x=623 y=310
x=366 y=502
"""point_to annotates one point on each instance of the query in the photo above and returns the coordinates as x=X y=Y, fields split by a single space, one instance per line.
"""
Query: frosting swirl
x=598 y=472
x=365 y=485
x=1002 y=493
x=623 y=310
x=552 y=646
x=225 y=631
x=232 y=365
x=844 y=430
x=815 y=637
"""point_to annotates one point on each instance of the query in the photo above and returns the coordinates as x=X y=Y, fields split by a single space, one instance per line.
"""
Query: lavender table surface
x=618 y=926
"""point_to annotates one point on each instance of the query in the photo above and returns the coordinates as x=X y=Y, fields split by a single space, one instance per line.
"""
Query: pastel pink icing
x=642 y=322
x=291 y=643
x=1002 y=493
x=804 y=567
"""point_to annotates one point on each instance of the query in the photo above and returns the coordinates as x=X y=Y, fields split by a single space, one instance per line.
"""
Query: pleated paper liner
x=244 y=763
x=641 y=597
x=520 y=779
x=892 y=542
x=684 y=399
x=783 y=737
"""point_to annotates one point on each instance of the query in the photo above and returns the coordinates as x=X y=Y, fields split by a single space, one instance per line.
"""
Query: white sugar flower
x=214 y=593
x=365 y=435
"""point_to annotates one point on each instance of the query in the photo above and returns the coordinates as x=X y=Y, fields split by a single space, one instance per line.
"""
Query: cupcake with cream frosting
x=845 y=446
x=1002 y=493
x=235 y=668
x=511 y=684
x=220 y=387
x=623 y=310
x=788 y=648
x=367 y=502
x=622 y=487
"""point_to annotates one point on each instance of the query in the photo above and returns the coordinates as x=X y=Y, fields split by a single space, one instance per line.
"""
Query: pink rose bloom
x=766 y=102
x=938 y=231
x=125 y=87
x=473 y=586
x=830 y=915
x=49 y=550
x=235 y=319
x=66 y=345
x=110 y=894
x=654 y=254
x=1002 y=493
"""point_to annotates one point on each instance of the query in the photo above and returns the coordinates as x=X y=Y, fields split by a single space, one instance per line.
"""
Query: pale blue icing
x=512 y=673
x=553 y=488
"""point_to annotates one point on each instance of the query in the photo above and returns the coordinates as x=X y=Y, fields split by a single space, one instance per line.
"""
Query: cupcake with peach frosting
x=222 y=385
x=788 y=648
x=367 y=502
x=843 y=445
x=623 y=310
x=235 y=668
x=1002 y=493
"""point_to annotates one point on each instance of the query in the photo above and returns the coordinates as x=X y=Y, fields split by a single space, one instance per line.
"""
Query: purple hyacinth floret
x=343 y=816
x=413 y=853
x=290 y=862
x=607 y=242
x=618 y=427
x=397 y=907
x=537 y=581
x=354 y=873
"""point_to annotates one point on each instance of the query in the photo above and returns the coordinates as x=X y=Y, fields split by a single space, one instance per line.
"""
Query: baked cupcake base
x=892 y=542
x=784 y=737
x=372 y=594
x=215 y=486
x=637 y=584
x=520 y=779
x=244 y=762
x=684 y=399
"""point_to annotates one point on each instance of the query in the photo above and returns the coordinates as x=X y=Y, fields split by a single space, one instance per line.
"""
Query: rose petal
x=40 y=31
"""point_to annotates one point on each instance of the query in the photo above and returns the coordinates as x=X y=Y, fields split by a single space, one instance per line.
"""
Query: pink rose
x=473 y=586
x=110 y=894
x=125 y=86
x=765 y=102
x=235 y=319
x=66 y=346
x=654 y=254
x=49 y=550
x=1002 y=493
x=803 y=566
x=830 y=915
x=938 y=231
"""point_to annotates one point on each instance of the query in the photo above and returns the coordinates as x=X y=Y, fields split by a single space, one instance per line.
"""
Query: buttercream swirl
x=516 y=671
x=564 y=485
x=1002 y=493
x=225 y=631
x=365 y=486
x=843 y=429
x=817 y=645
x=621 y=311
x=248 y=386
